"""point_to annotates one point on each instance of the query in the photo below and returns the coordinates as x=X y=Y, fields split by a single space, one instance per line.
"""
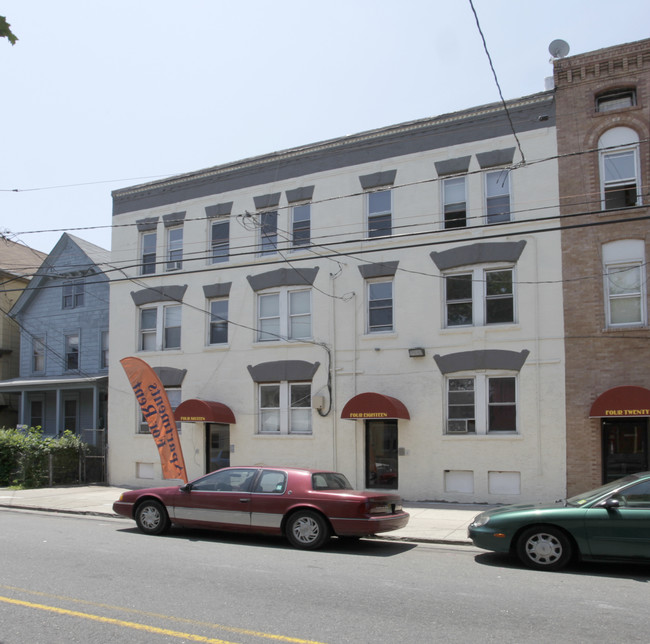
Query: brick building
x=603 y=127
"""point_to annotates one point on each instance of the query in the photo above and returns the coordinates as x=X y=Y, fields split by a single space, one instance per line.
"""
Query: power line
x=360 y=193
x=85 y=183
x=496 y=80
x=330 y=253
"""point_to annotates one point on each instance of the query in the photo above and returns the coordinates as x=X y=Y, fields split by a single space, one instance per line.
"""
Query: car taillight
x=380 y=507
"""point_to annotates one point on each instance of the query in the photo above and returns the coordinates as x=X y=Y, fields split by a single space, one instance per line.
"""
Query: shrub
x=29 y=459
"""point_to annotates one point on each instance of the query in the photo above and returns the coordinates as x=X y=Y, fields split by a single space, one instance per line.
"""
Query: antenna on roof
x=558 y=48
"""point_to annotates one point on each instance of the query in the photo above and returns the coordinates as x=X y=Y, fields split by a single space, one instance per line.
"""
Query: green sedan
x=610 y=523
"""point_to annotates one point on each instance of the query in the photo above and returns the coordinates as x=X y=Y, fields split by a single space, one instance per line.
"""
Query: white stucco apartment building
x=387 y=305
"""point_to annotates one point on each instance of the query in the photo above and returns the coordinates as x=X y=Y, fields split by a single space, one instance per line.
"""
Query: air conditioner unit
x=457 y=430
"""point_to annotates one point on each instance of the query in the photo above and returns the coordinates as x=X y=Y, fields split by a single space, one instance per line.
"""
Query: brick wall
x=597 y=359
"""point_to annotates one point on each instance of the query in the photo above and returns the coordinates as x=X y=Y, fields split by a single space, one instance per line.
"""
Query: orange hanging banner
x=151 y=396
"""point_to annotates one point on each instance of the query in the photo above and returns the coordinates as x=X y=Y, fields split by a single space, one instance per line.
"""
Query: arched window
x=619 y=168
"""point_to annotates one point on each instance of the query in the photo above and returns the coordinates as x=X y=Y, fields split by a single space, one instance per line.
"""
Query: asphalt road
x=81 y=579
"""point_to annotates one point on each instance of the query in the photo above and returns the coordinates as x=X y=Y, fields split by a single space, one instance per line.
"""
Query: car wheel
x=152 y=517
x=307 y=530
x=544 y=548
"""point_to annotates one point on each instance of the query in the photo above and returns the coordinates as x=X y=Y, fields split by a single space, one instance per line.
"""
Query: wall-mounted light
x=416 y=352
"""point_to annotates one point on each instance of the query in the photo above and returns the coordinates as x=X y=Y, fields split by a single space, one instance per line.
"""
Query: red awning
x=371 y=405
x=622 y=402
x=203 y=411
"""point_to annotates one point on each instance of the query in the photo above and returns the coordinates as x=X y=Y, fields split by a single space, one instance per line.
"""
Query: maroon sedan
x=307 y=506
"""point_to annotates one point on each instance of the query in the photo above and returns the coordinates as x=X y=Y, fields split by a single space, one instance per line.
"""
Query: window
x=160 y=328
x=380 y=306
x=268 y=233
x=70 y=414
x=502 y=405
x=329 y=481
x=635 y=496
x=467 y=415
x=285 y=408
x=620 y=179
x=174 y=395
x=497 y=196
x=284 y=314
x=36 y=417
x=72 y=352
x=172 y=327
x=499 y=302
x=38 y=355
x=148 y=253
x=148 y=329
x=460 y=406
x=218 y=321
x=379 y=213
x=624 y=294
x=103 y=360
x=459 y=300
x=454 y=202
x=616 y=100
x=271 y=482
x=301 y=225
x=619 y=168
x=73 y=294
x=624 y=282
x=236 y=480
x=480 y=298
x=175 y=248
x=220 y=241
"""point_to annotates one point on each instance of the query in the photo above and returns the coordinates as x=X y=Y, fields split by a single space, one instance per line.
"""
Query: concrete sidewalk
x=430 y=522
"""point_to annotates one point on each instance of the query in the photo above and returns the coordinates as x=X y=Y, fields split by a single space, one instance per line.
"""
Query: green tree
x=5 y=31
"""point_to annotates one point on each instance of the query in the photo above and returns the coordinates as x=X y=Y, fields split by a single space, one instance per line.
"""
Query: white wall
x=472 y=465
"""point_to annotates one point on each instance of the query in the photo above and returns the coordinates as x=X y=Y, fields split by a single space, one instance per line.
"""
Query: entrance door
x=381 y=454
x=625 y=447
x=217 y=447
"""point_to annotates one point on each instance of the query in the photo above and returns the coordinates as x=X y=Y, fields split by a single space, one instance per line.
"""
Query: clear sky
x=99 y=95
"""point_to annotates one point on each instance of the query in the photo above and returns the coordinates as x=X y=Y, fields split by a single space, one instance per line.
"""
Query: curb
x=442 y=542
x=33 y=508
x=111 y=515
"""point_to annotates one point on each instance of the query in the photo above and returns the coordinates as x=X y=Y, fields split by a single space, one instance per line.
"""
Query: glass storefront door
x=625 y=447
x=217 y=448
x=381 y=454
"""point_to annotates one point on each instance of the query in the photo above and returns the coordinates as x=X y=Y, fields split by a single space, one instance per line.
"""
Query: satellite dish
x=559 y=48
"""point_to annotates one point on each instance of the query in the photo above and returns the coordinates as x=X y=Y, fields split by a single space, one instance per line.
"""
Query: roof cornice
x=329 y=147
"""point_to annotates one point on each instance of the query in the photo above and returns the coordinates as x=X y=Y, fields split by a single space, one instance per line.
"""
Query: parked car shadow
x=358 y=547
x=616 y=570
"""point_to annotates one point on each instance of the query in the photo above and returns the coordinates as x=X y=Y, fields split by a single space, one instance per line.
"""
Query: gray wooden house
x=63 y=320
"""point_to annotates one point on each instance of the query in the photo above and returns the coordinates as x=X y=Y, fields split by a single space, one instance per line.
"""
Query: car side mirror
x=186 y=488
x=612 y=503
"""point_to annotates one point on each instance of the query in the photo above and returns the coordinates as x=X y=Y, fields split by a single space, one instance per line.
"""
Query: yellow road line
x=171 y=618
x=150 y=629
x=117 y=622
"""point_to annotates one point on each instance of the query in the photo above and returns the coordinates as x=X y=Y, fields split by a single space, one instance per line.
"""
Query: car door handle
x=244 y=500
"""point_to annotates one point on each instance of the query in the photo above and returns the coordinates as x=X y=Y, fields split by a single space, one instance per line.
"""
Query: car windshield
x=592 y=495
x=329 y=481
